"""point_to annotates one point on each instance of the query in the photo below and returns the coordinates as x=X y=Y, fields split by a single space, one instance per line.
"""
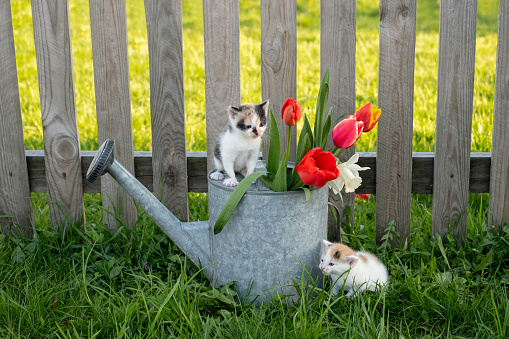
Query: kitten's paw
x=230 y=182
x=217 y=176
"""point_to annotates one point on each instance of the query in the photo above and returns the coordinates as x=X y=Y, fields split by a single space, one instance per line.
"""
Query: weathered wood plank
x=456 y=64
x=14 y=187
x=337 y=54
x=113 y=100
x=164 y=28
x=422 y=172
x=395 y=99
x=279 y=63
x=499 y=184
x=52 y=37
x=222 y=66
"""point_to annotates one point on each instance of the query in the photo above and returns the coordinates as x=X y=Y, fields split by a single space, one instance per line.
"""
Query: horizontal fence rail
x=450 y=174
x=422 y=172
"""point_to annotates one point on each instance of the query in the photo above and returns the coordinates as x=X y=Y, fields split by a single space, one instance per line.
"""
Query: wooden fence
x=450 y=174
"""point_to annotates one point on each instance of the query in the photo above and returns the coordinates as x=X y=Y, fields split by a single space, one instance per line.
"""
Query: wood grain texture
x=279 y=63
x=14 y=187
x=113 y=101
x=395 y=99
x=164 y=28
x=499 y=183
x=222 y=66
x=422 y=172
x=337 y=54
x=455 y=91
x=58 y=108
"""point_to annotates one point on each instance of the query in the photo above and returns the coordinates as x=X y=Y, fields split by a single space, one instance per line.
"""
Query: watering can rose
x=369 y=114
x=317 y=167
x=291 y=112
x=347 y=132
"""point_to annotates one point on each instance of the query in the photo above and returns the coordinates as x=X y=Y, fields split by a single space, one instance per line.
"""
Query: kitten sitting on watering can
x=238 y=146
x=357 y=271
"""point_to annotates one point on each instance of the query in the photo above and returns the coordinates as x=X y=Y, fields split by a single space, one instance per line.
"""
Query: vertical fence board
x=14 y=185
x=279 y=62
x=499 y=178
x=337 y=54
x=222 y=67
x=456 y=59
x=58 y=108
x=113 y=102
x=395 y=98
x=164 y=28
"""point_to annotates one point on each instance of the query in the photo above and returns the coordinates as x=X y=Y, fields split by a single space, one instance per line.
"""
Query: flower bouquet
x=315 y=166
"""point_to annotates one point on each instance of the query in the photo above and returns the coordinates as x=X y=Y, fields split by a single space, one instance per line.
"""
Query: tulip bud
x=347 y=132
x=369 y=115
x=291 y=112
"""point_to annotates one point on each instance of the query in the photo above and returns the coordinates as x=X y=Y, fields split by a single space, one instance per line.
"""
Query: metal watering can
x=265 y=246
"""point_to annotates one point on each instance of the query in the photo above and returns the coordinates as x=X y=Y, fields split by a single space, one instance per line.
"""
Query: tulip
x=317 y=167
x=291 y=112
x=364 y=197
x=369 y=115
x=347 y=132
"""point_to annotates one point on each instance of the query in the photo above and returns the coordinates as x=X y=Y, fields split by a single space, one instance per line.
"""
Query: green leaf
x=234 y=200
x=326 y=129
x=304 y=147
x=321 y=104
x=280 y=184
x=307 y=193
x=442 y=250
x=268 y=181
x=274 y=149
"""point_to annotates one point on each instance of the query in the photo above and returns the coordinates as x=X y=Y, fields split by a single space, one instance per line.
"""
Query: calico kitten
x=237 y=148
x=358 y=271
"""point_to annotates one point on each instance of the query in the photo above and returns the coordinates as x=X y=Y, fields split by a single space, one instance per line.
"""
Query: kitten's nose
x=255 y=131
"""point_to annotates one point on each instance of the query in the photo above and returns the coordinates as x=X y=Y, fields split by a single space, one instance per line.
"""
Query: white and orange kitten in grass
x=237 y=148
x=358 y=271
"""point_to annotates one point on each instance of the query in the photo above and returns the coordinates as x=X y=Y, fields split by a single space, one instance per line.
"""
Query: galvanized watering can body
x=267 y=242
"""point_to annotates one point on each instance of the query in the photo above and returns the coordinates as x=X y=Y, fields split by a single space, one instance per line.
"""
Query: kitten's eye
x=248 y=126
x=321 y=260
x=331 y=264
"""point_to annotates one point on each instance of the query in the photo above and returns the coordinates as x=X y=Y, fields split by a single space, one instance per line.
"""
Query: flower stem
x=337 y=152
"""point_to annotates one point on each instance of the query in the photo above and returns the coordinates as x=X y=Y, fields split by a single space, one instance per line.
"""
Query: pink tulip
x=347 y=132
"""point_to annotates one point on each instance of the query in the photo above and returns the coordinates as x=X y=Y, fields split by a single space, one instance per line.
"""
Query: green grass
x=136 y=283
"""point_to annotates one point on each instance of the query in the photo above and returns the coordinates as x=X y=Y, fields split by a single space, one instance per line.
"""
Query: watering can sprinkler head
x=102 y=161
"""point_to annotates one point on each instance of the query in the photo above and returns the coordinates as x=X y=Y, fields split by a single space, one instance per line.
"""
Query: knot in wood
x=65 y=149
x=404 y=11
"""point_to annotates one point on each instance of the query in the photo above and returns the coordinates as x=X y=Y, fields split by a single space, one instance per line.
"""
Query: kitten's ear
x=327 y=243
x=233 y=111
x=265 y=105
x=352 y=260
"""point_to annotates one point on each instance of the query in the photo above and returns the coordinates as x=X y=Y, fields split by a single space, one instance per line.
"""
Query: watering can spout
x=191 y=237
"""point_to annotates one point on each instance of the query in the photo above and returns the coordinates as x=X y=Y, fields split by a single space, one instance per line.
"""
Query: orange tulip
x=368 y=114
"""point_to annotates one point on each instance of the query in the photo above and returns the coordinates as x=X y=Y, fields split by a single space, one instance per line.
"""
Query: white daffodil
x=349 y=175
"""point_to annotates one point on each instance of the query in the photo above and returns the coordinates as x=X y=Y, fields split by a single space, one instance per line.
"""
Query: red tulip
x=291 y=112
x=362 y=196
x=369 y=115
x=347 y=132
x=317 y=167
